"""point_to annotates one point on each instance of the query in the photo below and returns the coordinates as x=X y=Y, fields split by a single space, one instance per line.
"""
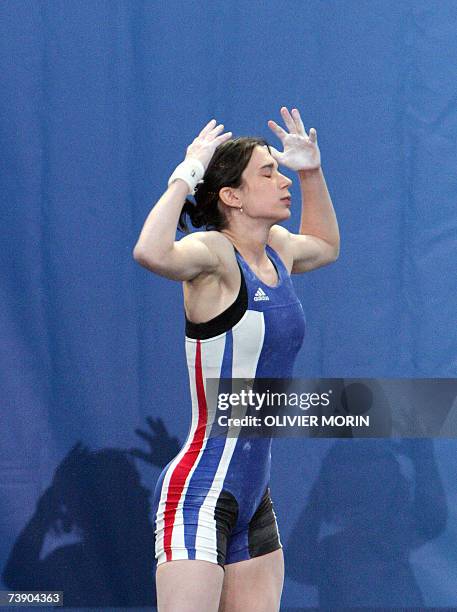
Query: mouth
x=286 y=199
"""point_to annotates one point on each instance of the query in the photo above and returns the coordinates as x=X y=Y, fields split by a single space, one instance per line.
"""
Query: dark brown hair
x=224 y=170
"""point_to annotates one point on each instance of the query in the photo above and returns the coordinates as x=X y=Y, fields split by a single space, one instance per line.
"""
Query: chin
x=286 y=214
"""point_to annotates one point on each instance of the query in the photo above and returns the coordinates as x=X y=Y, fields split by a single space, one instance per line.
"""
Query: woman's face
x=264 y=188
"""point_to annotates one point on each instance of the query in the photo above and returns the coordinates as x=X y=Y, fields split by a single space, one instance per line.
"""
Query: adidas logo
x=260 y=295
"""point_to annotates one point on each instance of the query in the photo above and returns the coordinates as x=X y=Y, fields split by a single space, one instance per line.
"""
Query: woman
x=217 y=541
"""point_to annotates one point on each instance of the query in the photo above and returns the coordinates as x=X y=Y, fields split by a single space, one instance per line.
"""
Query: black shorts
x=223 y=538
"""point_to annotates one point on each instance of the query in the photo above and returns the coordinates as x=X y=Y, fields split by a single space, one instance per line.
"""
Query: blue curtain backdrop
x=98 y=103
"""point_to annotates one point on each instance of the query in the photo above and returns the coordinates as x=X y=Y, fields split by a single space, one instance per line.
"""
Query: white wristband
x=191 y=171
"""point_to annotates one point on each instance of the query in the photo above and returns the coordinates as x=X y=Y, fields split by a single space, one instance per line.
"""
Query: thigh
x=254 y=585
x=188 y=586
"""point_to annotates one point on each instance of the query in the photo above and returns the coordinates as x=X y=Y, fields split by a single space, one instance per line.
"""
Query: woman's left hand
x=300 y=150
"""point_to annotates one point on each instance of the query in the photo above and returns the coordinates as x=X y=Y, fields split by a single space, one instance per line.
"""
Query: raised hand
x=204 y=145
x=301 y=151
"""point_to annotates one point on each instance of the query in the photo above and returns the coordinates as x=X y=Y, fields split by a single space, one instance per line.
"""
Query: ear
x=229 y=196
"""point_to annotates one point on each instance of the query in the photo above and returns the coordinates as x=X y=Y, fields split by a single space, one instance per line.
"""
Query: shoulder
x=217 y=244
x=213 y=240
x=301 y=252
x=220 y=248
x=279 y=240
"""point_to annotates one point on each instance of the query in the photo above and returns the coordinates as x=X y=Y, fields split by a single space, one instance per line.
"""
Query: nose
x=285 y=180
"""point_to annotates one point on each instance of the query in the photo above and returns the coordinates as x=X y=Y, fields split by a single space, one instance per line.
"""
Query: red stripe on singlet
x=182 y=469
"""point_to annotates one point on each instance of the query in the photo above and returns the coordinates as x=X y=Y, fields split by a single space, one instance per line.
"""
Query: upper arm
x=306 y=252
x=188 y=258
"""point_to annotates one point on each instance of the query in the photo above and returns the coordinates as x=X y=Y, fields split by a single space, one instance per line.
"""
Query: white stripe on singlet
x=244 y=365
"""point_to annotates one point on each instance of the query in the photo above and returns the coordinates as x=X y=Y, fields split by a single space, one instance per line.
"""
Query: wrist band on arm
x=191 y=171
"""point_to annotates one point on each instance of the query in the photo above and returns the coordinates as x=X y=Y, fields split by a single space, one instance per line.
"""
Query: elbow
x=138 y=255
x=143 y=259
x=333 y=253
x=336 y=248
x=157 y=262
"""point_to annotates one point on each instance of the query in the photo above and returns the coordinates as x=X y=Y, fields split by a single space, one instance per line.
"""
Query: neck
x=250 y=242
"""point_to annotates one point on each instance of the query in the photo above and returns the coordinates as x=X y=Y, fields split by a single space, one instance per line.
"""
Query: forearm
x=318 y=216
x=159 y=230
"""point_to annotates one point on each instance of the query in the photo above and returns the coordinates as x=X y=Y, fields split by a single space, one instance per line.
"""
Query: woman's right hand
x=204 y=145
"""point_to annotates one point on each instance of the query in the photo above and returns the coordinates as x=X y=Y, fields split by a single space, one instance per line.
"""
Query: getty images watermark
x=331 y=407
x=283 y=401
